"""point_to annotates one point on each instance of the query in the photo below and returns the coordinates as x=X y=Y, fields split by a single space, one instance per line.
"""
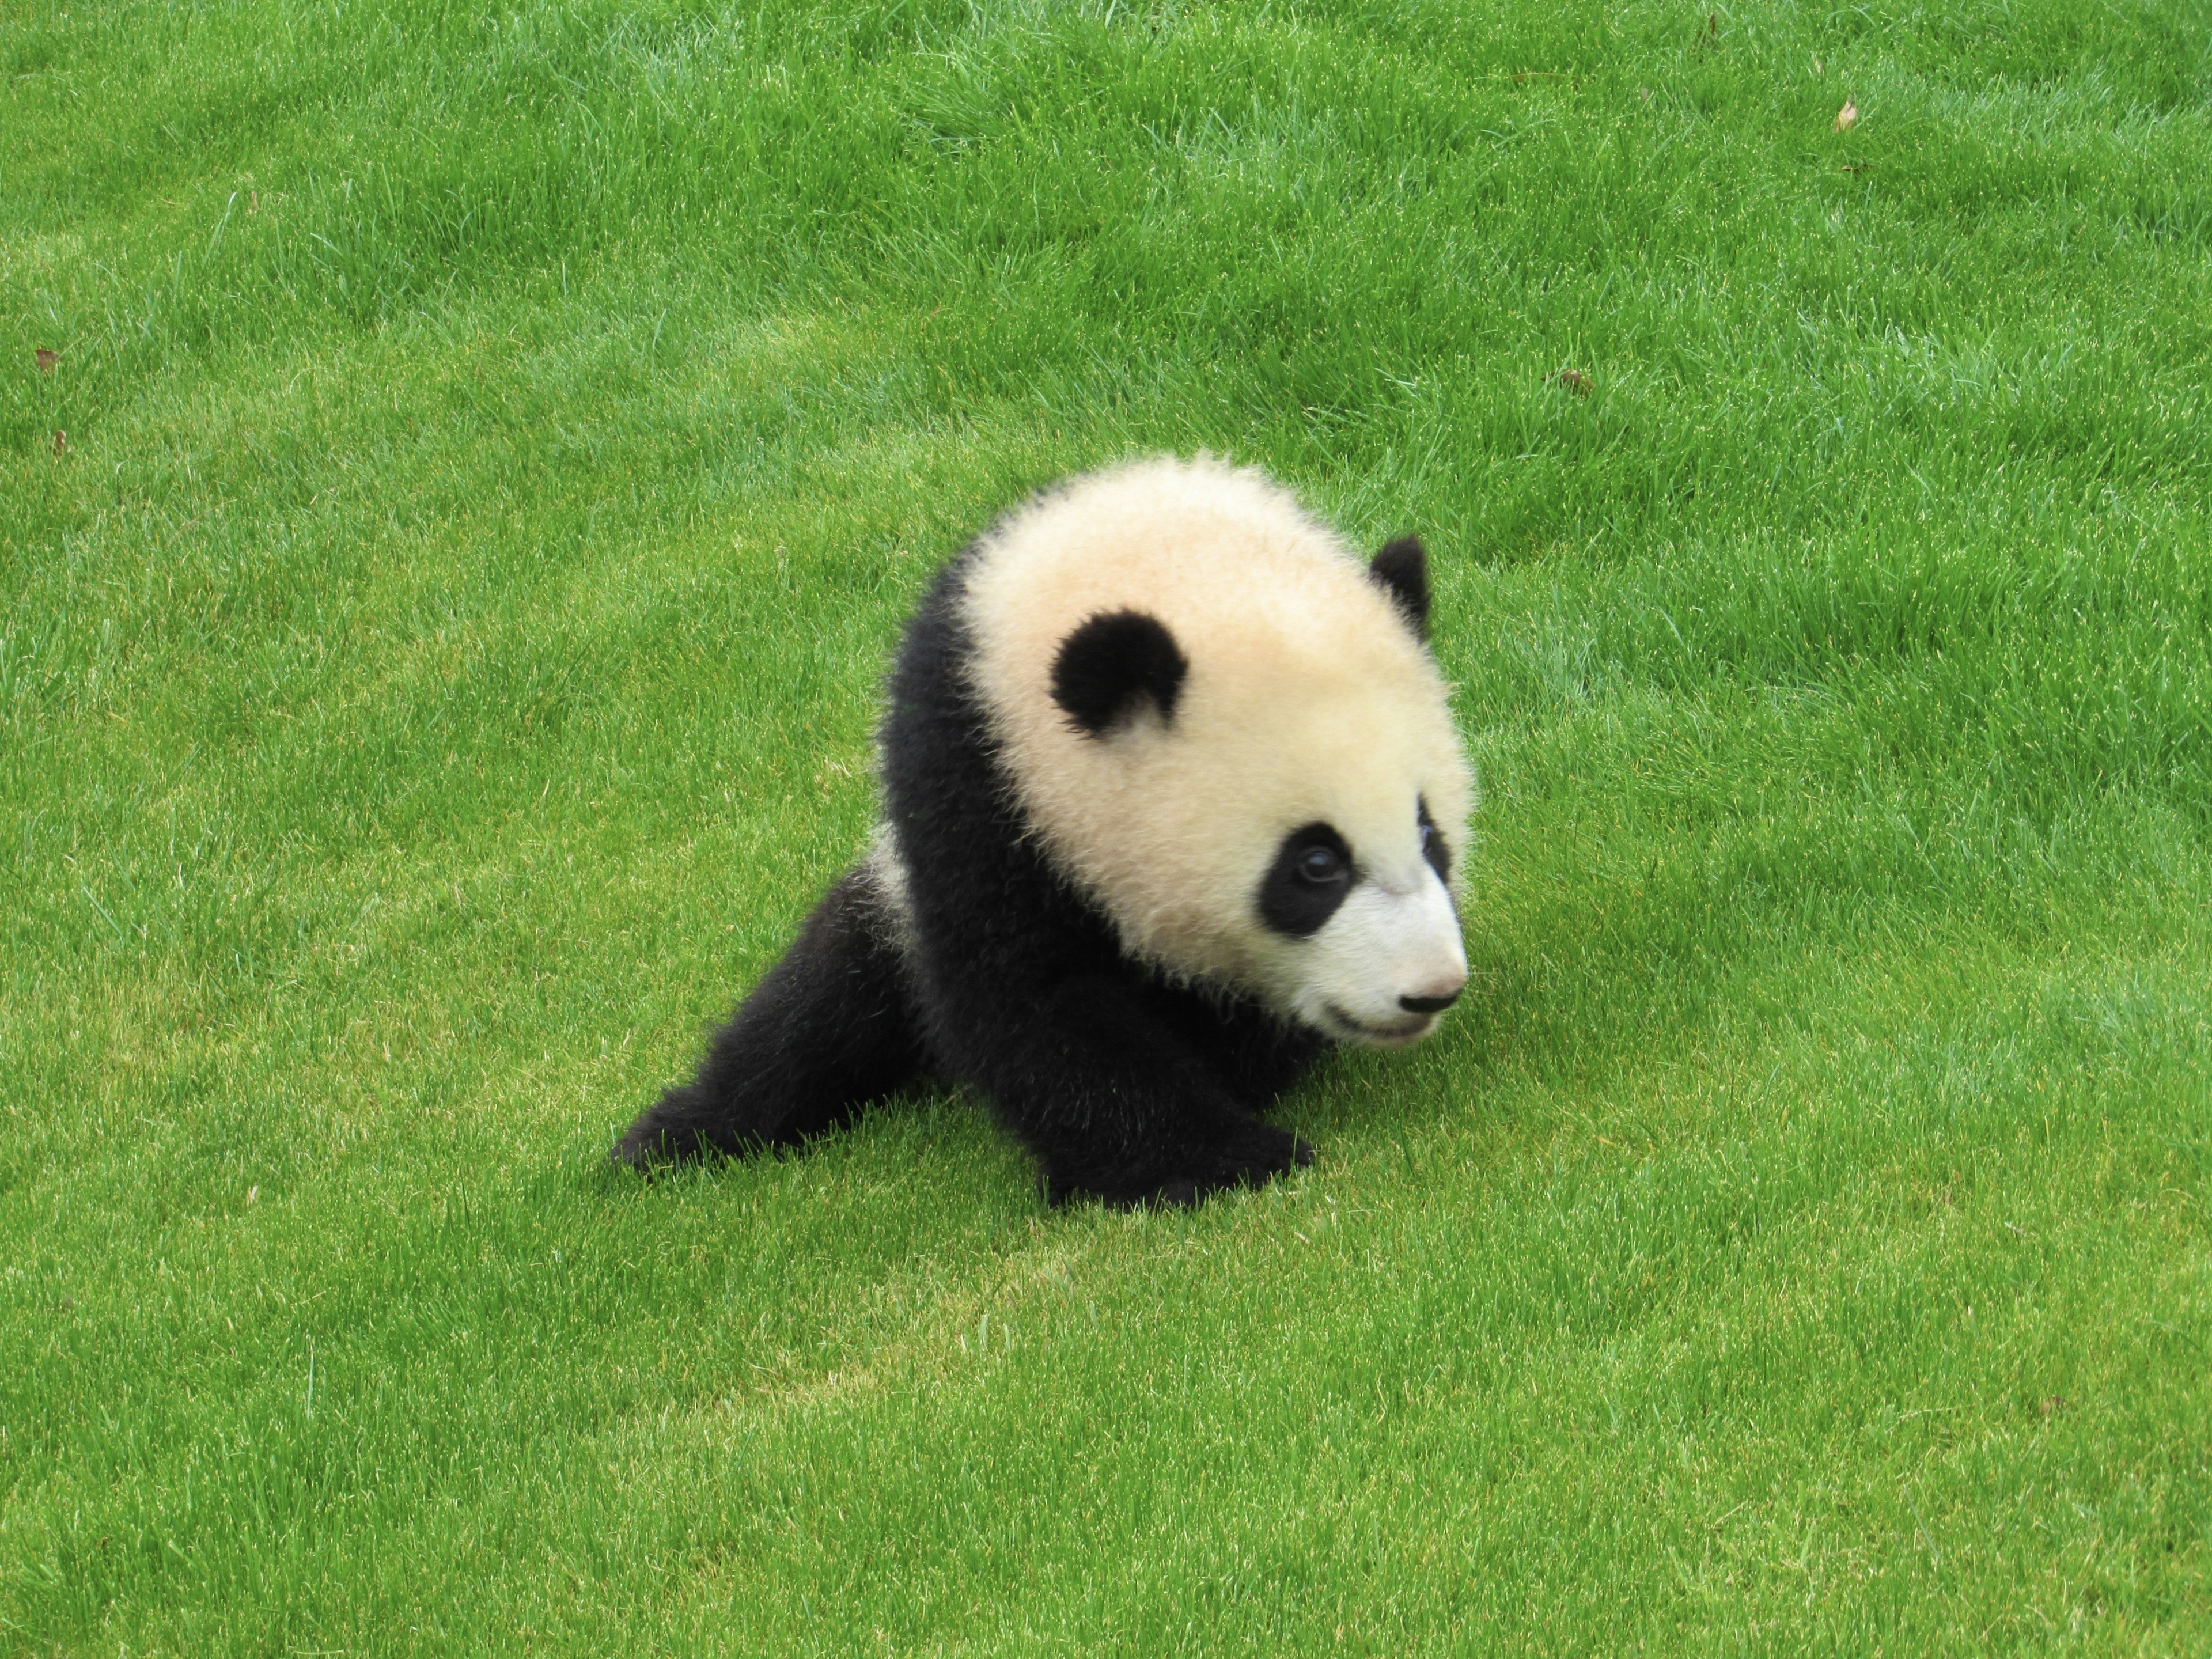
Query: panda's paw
x=1178 y=1195
x=1259 y=1152
x=1252 y=1157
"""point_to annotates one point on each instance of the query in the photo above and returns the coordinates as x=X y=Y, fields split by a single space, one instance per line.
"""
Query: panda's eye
x=1428 y=836
x=1311 y=876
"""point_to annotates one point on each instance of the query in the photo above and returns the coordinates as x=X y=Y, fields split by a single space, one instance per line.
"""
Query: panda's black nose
x=1427 y=1005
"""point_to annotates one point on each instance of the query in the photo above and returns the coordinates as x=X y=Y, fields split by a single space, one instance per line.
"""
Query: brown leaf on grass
x=2056 y=1403
x=1574 y=381
x=46 y=360
x=1847 y=117
x=61 y=442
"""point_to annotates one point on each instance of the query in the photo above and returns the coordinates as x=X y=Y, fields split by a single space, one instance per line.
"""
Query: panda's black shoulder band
x=1104 y=667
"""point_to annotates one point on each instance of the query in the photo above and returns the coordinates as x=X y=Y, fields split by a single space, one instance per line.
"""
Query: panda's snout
x=1384 y=966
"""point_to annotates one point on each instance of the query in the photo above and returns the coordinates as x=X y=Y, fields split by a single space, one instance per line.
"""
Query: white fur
x=1381 y=945
x=1308 y=698
x=886 y=867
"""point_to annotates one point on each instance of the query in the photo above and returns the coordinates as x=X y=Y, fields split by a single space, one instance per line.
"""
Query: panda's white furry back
x=1172 y=800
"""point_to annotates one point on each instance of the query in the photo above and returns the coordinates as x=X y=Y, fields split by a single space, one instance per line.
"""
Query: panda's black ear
x=1110 y=662
x=1402 y=568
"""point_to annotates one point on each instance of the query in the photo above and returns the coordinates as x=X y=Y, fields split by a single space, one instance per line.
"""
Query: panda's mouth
x=1382 y=1037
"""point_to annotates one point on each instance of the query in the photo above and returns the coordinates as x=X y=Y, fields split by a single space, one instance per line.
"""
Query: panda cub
x=1171 y=799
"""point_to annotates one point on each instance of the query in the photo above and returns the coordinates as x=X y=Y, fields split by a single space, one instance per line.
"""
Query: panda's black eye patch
x=1311 y=874
x=1433 y=848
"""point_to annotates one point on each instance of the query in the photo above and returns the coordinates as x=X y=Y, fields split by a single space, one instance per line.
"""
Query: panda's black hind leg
x=828 y=1029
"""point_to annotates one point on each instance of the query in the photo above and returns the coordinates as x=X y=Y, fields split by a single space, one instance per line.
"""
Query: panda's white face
x=1226 y=730
x=1366 y=949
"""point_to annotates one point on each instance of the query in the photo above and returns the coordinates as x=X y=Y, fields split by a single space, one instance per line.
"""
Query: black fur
x=1433 y=848
x=1122 y=1085
x=830 y=1028
x=1110 y=662
x=1402 y=568
x=1293 y=899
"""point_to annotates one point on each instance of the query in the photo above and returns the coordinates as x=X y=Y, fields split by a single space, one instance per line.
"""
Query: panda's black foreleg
x=830 y=1028
x=1256 y=1054
x=1116 y=1103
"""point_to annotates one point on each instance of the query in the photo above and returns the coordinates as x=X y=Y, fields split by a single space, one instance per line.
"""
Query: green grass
x=437 y=672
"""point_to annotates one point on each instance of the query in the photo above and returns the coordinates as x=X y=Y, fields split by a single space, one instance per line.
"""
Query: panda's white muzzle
x=1386 y=965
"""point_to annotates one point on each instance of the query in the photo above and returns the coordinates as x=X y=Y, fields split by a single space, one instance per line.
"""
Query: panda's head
x=1229 y=732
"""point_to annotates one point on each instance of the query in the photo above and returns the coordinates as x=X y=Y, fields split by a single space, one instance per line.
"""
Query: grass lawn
x=446 y=569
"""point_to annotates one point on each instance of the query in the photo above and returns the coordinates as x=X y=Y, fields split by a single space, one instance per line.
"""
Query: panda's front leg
x=1118 y=1104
